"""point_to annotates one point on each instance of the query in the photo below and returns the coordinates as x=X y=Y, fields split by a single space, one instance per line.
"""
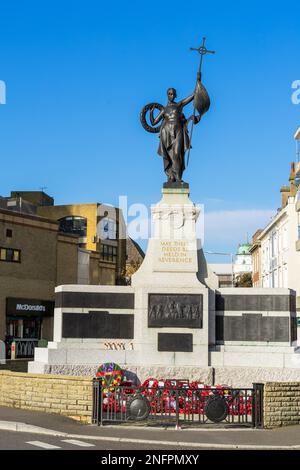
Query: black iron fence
x=20 y=348
x=178 y=403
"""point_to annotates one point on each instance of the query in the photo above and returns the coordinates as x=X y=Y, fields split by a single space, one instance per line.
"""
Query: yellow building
x=101 y=231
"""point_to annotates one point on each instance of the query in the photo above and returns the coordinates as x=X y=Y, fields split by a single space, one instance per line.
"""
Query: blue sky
x=78 y=73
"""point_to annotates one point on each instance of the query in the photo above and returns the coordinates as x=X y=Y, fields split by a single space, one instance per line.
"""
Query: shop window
x=10 y=255
x=23 y=328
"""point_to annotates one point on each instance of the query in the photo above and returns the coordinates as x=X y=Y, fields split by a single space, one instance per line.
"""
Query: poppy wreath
x=161 y=394
x=179 y=388
x=167 y=403
x=149 y=387
x=154 y=390
x=239 y=404
x=110 y=403
x=111 y=375
x=197 y=395
x=128 y=387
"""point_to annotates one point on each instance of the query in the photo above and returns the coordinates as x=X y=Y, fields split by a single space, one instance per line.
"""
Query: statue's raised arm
x=186 y=100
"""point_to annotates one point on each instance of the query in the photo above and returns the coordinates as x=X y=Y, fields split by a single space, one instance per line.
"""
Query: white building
x=280 y=244
x=276 y=248
x=243 y=260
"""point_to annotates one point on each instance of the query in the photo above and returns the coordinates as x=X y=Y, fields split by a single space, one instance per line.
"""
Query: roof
x=221 y=268
x=297 y=134
x=20 y=215
x=137 y=246
x=280 y=213
x=244 y=249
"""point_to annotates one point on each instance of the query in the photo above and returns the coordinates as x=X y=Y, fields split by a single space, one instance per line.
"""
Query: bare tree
x=243 y=280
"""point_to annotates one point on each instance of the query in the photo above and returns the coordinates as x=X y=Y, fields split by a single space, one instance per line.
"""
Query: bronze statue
x=174 y=134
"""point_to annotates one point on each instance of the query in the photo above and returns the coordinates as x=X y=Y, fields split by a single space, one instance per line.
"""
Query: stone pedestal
x=174 y=255
x=171 y=304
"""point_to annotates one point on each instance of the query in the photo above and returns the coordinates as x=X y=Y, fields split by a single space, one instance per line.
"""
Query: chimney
x=293 y=187
x=285 y=193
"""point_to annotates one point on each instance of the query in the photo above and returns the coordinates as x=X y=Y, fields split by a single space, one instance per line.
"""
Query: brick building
x=43 y=246
x=34 y=258
x=255 y=252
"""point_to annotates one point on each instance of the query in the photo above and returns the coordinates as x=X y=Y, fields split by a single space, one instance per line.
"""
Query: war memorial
x=174 y=321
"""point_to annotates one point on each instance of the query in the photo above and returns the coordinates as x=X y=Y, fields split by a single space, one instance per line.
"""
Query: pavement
x=48 y=426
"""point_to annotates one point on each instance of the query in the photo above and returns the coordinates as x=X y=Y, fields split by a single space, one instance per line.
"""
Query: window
x=275 y=278
x=285 y=277
x=108 y=253
x=10 y=254
x=8 y=233
x=274 y=244
x=74 y=225
x=23 y=327
x=285 y=238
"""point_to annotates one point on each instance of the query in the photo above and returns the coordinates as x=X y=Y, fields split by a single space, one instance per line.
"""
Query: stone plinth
x=170 y=273
x=172 y=257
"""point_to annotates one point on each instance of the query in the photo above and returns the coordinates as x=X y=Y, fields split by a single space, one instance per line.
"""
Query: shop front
x=27 y=322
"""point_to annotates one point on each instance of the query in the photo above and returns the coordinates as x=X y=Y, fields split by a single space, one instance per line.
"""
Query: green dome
x=244 y=249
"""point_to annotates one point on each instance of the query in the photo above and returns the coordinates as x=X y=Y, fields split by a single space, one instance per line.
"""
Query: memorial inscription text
x=175 y=252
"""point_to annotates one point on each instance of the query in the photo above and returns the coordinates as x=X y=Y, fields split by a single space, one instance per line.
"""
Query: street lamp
x=224 y=254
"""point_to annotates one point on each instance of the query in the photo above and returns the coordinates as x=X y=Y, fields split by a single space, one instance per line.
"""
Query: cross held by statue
x=202 y=51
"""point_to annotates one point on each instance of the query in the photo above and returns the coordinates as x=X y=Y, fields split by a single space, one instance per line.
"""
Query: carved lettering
x=175 y=252
x=118 y=345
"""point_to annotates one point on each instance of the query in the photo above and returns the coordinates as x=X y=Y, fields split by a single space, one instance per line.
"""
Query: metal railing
x=258 y=405
x=23 y=348
x=178 y=404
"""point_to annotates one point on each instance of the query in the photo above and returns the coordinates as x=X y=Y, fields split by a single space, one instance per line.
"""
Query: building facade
x=224 y=272
x=34 y=258
x=42 y=246
x=255 y=251
x=100 y=231
x=276 y=249
x=297 y=140
x=278 y=242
